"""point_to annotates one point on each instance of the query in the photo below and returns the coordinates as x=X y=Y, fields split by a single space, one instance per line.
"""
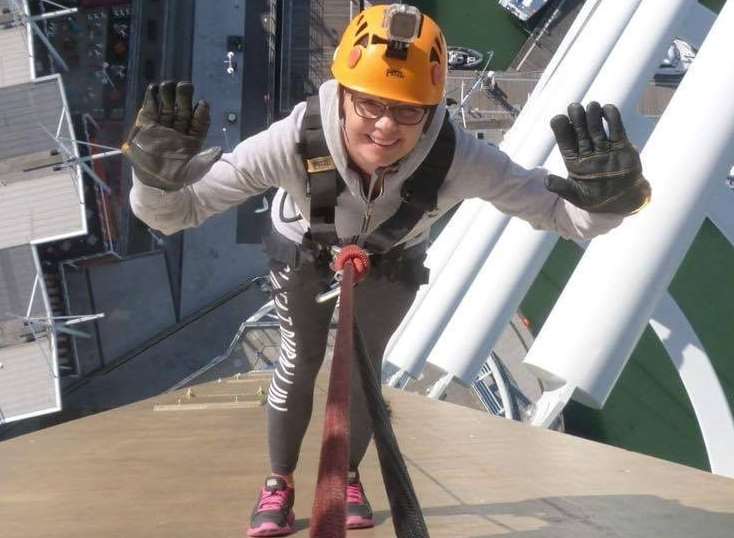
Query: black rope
x=407 y=515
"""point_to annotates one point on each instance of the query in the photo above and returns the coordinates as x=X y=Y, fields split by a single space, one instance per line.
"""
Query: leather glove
x=164 y=145
x=604 y=172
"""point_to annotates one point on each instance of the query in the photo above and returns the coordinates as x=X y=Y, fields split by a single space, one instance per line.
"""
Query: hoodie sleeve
x=258 y=163
x=481 y=170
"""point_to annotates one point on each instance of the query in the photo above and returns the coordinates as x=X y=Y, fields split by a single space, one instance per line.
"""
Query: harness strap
x=419 y=192
x=407 y=515
x=398 y=265
x=323 y=177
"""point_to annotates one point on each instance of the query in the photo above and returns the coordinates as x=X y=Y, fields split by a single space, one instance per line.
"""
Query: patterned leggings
x=380 y=305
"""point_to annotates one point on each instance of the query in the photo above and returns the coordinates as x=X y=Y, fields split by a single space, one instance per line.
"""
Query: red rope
x=328 y=518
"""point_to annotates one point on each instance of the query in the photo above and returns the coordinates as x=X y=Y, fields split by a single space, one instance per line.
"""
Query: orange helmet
x=394 y=52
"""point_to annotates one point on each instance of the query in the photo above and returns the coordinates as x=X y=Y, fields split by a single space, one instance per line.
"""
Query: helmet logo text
x=394 y=73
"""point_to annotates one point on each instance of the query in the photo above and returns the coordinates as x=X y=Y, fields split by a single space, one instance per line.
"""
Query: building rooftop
x=41 y=199
x=28 y=377
x=18 y=270
x=42 y=204
x=16 y=59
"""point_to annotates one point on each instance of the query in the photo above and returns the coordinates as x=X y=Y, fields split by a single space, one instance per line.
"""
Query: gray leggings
x=380 y=305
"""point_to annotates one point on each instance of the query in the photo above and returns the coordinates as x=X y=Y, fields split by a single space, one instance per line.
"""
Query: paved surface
x=491 y=109
x=310 y=33
x=213 y=262
x=542 y=43
x=194 y=472
x=493 y=106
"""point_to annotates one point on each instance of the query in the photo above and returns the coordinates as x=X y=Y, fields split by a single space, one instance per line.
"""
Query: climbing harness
x=361 y=263
x=419 y=192
x=419 y=196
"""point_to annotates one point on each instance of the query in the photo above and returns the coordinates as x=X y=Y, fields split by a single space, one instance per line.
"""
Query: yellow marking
x=320 y=164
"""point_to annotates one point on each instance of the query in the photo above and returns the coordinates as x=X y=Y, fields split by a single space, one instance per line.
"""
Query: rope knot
x=359 y=258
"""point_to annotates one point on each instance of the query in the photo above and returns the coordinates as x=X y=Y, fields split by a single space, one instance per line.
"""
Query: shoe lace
x=272 y=500
x=354 y=493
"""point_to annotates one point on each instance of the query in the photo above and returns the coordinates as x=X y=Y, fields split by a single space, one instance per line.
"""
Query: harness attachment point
x=359 y=258
x=419 y=192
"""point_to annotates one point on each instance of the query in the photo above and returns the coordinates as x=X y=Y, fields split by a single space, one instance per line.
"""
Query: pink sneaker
x=359 y=511
x=273 y=513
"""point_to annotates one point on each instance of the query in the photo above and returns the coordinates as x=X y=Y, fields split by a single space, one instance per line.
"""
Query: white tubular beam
x=631 y=65
x=720 y=212
x=446 y=243
x=535 y=102
x=583 y=17
x=438 y=255
x=490 y=301
x=607 y=303
x=520 y=253
x=409 y=349
x=704 y=390
x=571 y=80
x=574 y=76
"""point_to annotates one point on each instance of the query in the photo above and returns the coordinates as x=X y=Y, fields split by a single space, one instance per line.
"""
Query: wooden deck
x=192 y=470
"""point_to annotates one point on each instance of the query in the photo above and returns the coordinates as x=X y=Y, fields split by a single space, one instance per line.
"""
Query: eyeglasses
x=370 y=109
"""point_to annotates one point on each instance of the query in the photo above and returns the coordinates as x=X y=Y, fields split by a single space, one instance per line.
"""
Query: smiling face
x=381 y=138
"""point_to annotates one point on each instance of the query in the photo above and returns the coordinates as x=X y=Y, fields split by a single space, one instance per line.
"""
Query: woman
x=373 y=161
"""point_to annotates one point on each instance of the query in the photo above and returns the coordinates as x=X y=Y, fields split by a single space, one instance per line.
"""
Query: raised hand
x=604 y=171
x=164 y=145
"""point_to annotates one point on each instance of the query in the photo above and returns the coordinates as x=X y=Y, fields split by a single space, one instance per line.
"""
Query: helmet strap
x=340 y=97
x=429 y=119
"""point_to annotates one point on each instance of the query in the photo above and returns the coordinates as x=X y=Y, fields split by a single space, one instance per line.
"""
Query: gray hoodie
x=271 y=159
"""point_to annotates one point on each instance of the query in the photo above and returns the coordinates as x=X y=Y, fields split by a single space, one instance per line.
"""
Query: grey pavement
x=212 y=261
